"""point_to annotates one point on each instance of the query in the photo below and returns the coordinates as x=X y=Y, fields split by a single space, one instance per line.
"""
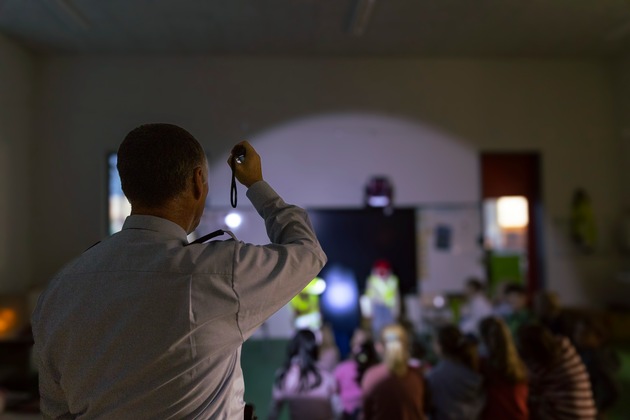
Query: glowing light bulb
x=233 y=220
x=512 y=212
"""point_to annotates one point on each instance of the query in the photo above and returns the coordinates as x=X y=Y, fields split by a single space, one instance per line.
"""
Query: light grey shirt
x=142 y=326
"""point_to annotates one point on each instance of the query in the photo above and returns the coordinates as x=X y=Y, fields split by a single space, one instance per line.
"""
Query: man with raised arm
x=145 y=325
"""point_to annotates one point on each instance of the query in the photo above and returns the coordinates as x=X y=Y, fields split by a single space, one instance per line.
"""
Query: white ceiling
x=433 y=28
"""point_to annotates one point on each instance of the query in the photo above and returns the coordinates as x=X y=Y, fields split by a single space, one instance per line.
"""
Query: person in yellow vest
x=305 y=306
x=381 y=302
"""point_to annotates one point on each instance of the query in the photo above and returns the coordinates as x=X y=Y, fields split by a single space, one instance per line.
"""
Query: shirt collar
x=156 y=224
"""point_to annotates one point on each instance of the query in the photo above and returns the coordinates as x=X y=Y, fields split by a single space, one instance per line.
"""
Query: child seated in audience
x=559 y=386
x=455 y=384
x=349 y=374
x=309 y=391
x=501 y=306
x=547 y=310
x=516 y=296
x=505 y=374
x=394 y=389
x=601 y=361
x=476 y=308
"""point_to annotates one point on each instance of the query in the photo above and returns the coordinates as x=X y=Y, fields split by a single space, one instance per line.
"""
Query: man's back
x=143 y=326
x=127 y=298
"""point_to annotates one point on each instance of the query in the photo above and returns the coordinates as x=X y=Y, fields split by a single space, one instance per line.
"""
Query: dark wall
x=355 y=238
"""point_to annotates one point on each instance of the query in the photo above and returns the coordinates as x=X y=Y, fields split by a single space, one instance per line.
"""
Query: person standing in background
x=381 y=296
x=476 y=308
x=519 y=315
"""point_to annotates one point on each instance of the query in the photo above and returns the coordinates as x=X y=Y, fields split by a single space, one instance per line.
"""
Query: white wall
x=323 y=123
x=17 y=76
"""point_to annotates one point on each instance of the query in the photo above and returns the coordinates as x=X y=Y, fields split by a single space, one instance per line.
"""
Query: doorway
x=512 y=212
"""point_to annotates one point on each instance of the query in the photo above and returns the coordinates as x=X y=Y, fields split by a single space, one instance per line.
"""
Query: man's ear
x=199 y=180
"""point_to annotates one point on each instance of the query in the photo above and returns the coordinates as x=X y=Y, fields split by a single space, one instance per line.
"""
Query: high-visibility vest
x=383 y=291
x=304 y=303
x=307 y=301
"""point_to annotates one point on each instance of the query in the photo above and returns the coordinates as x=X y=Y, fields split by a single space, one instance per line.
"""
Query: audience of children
x=309 y=391
x=539 y=365
x=393 y=389
x=455 y=383
x=505 y=374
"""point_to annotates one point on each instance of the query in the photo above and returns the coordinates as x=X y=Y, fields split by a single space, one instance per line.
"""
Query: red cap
x=382 y=264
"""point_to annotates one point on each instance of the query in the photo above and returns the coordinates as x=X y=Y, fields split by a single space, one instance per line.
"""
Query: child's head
x=451 y=343
x=588 y=333
x=546 y=304
x=502 y=354
x=365 y=356
x=359 y=337
x=382 y=268
x=516 y=297
x=394 y=347
x=473 y=287
x=303 y=345
x=537 y=345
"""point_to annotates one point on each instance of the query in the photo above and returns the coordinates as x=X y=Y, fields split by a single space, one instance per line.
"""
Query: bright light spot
x=318 y=287
x=8 y=318
x=512 y=212
x=378 y=201
x=233 y=220
x=439 y=301
x=341 y=296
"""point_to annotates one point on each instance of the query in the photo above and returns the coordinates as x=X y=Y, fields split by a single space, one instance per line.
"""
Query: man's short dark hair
x=156 y=161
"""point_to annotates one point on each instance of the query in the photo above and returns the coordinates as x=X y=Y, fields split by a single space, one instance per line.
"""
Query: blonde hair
x=503 y=357
x=396 y=344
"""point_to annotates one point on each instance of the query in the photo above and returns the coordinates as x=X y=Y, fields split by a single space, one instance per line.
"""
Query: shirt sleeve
x=53 y=403
x=267 y=277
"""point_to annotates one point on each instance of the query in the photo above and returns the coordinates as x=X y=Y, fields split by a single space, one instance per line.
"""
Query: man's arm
x=267 y=277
